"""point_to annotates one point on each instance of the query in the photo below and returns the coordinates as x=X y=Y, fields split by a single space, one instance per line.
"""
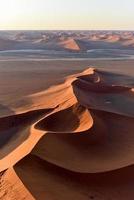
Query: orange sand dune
x=61 y=43
x=122 y=39
x=11 y=187
x=104 y=94
x=76 y=119
x=70 y=44
x=46 y=181
x=113 y=38
x=106 y=146
x=17 y=136
x=81 y=148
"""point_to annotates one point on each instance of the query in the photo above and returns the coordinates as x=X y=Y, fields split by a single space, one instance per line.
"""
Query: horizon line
x=66 y=29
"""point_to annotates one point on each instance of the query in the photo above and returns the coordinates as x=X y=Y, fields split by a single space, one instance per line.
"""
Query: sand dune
x=81 y=145
x=11 y=187
x=76 y=119
x=70 y=44
x=113 y=37
x=59 y=43
x=65 y=42
x=17 y=136
x=108 y=145
x=101 y=95
x=46 y=180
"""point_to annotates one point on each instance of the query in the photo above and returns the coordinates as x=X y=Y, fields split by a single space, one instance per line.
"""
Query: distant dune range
x=74 y=42
x=76 y=143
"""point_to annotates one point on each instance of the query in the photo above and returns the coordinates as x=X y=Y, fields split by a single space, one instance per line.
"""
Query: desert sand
x=67 y=126
x=82 y=144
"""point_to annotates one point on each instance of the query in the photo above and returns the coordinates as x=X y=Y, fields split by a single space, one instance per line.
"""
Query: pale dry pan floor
x=76 y=142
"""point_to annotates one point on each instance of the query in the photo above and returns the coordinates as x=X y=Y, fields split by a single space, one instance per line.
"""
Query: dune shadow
x=73 y=119
x=18 y=126
x=4 y=110
x=105 y=91
x=43 y=179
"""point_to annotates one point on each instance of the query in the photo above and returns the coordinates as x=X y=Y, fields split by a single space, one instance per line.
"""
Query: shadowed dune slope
x=105 y=92
x=17 y=137
x=48 y=181
x=9 y=126
x=73 y=119
x=106 y=146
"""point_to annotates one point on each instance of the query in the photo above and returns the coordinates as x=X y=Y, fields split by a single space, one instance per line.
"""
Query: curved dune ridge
x=83 y=147
x=76 y=119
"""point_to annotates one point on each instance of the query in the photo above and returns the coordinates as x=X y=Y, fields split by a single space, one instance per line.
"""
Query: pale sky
x=66 y=14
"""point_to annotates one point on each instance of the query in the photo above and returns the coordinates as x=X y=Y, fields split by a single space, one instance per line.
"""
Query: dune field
x=66 y=124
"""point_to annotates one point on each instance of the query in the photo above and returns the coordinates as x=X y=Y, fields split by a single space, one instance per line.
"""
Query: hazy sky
x=67 y=14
